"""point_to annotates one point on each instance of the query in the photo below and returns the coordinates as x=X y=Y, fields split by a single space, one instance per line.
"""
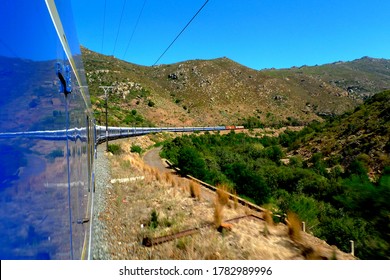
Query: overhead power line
x=7 y=47
x=135 y=27
x=180 y=32
x=104 y=23
x=119 y=28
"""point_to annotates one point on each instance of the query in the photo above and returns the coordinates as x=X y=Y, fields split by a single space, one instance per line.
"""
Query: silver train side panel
x=46 y=134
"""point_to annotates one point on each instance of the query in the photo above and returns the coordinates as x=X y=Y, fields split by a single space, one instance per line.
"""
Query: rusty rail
x=149 y=242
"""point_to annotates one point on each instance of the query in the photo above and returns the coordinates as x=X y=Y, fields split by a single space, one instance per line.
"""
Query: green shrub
x=252 y=122
x=136 y=149
x=190 y=162
x=296 y=161
x=115 y=149
x=151 y=103
x=357 y=168
x=274 y=153
x=153 y=223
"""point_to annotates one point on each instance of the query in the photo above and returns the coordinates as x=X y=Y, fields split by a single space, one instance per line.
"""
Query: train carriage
x=46 y=134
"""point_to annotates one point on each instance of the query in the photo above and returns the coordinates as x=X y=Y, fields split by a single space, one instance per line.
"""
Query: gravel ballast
x=100 y=250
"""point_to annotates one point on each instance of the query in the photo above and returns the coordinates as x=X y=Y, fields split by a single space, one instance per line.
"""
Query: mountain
x=360 y=78
x=362 y=135
x=223 y=92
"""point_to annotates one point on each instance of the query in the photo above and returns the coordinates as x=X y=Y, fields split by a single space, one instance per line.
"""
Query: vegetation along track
x=153 y=159
x=178 y=225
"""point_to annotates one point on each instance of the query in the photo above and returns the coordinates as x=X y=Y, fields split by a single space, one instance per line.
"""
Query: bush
x=319 y=165
x=274 y=153
x=339 y=232
x=296 y=161
x=151 y=103
x=115 y=149
x=357 y=168
x=316 y=186
x=252 y=122
x=359 y=196
x=305 y=207
x=190 y=162
x=136 y=149
x=248 y=182
x=153 y=223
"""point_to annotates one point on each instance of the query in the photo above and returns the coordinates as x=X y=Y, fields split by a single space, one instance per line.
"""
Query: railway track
x=149 y=242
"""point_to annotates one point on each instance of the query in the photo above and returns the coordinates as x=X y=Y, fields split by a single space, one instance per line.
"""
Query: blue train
x=48 y=135
x=123 y=132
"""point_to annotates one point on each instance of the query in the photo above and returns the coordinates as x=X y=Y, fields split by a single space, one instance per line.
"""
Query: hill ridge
x=221 y=91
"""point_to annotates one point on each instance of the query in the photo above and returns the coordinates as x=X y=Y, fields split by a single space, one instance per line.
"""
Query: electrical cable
x=180 y=32
x=7 y=47
x=104 y=22
x=135 y=27
x=119 y=28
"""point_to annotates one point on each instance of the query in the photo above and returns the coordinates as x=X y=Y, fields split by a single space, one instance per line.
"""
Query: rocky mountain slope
x=223 y=92
x=363 y=135
x=360 y=78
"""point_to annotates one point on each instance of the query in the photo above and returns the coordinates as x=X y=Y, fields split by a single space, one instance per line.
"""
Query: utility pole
x=106 y=89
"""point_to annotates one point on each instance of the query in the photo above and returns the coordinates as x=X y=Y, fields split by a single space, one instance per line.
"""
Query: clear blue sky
x=256 y=33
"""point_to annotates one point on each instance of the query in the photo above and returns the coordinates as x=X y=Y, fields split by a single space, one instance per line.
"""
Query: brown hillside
x=360 y=78
x=208 y=92
x=363 y=135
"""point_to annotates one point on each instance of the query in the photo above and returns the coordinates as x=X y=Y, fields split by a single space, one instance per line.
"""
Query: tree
x=357 y=168
x=274 y=153
x=190 y=162
x=248 y=182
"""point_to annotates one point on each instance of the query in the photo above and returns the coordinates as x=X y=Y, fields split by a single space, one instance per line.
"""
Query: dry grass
x=223 y=194
x=294 y=227
x=169 y=178
x=311 y=253
x=175 y=183
x=195 y=190
x=235 y=199
x=267 y=216
x=218 y=208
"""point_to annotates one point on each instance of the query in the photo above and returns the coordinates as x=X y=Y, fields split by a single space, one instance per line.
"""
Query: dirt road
x=152 y=158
